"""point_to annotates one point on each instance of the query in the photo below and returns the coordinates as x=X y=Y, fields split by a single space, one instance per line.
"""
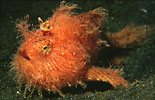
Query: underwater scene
x=77 y=50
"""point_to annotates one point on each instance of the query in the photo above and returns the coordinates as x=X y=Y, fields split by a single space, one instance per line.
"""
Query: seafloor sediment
x=138 y=66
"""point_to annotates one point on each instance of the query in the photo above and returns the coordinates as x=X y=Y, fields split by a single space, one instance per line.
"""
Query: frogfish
x=58 y=54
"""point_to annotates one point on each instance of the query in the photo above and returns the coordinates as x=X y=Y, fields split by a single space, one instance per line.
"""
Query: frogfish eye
x=45 y=49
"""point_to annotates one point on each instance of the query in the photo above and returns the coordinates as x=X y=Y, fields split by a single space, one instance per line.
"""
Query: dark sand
x=139 y=64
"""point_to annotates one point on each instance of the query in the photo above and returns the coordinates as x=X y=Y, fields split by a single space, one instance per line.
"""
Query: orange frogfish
x=58 y=54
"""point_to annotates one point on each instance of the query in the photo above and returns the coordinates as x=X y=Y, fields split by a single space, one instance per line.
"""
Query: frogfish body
x=58 y=54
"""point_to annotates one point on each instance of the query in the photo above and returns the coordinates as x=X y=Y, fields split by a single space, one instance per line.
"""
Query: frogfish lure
x=59 y=53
